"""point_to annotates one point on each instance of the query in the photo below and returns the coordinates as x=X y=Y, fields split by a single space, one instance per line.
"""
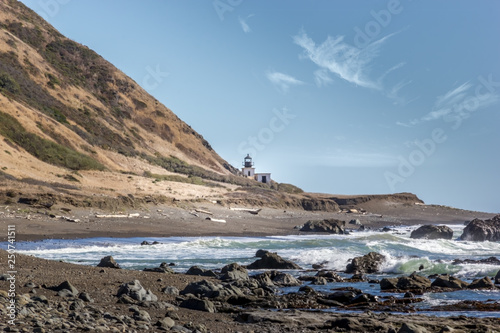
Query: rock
x=261 y=253
x=484 y=283
x=271 y=260
x=65 y=293
x=369 y=263
x=331 y=226
x=330 y=276
x=234 y=272
x=413 y=281
x=430 y=231
x=479 y=230
x=142 y=315
x=136 y=291
x=355 y=222
x=195 y=270
x=85 y=297
x=66 y=285
x=30 y=285
x=170 y=291
x=489 y=261
x=163 y=268
x=386 y=229
x=497 y=278
x=198 y=304
x=284 y=280
x=108 y=262
x=319 y=281
x=209 y=289
x=344 y=297
x=166 y=323
x=446 y=281
x=412 y=328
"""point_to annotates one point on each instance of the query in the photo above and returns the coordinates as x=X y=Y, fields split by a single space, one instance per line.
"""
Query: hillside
x=70 y=120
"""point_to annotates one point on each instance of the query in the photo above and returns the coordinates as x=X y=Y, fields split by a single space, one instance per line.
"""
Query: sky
x=341 y=97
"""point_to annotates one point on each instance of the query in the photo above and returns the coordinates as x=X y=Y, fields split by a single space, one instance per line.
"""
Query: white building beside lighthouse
x=249 y=171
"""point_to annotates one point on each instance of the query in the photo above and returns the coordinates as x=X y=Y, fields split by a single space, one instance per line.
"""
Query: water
x=404 y=255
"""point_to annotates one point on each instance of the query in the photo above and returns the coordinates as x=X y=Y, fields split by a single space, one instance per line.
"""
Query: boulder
x=261 y=253
x=195 y=270
x=66 y=285
x=479 y=230
x=136 y=291
x=209 y=289
x=331 y=226
x=284 y=280
x=164 y=268
x=432 y=232
x=170 y=290
x=369 y=263
x=330 y=276
x=108 y=262
x=271 y=260
x=484 y=283
x=234 y=272
x=389 y=284
x=497 y=278
x=198 y=304
x=413 y=281
x=446 y=281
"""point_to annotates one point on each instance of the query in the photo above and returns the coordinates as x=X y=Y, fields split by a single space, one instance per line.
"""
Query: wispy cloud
x=347 y=61
x=393 y=93
x=460 y=101
x=244 y=25
x=282 y=81
x=322 y=78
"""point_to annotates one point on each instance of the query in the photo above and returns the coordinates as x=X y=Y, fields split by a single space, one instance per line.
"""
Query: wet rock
x=413 y=281
x=386 y=229
x=330 y=276
x=432 y=232
x=284 y=280
x=479 y=230
x=209 y=289
x=271 y=260
x=489 y=261
x=163 y=268
x=136 y=291
x=319 y=281
x=331 y=226
x=389 y=284
x=234 y=272
x=484 y=283
x=497 y=278
x=108 y=262
x=195 y=270
x=446 y=281
x=343 y=297
x=260 y=253
x=198 y=304
x=369 y=263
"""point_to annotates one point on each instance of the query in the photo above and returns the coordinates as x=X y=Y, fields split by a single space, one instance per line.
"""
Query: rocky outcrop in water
x=432 y=232
x=369 y=263
x=447 y=281
x=479 y=230
x=331 y=226
x=271 y=260
x=411 y=282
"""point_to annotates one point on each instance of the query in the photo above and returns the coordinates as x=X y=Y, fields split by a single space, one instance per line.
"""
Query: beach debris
x=108 y=262
x=369 y=263
x=248 y=210
x=331 y=226
x=101 y=216
x=203 y=211
x=215 y=220
x=271 y=260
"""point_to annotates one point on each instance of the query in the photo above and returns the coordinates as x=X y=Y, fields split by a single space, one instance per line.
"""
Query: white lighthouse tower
x=249 y=171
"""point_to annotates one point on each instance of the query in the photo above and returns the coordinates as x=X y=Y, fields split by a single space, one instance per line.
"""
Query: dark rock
x=108 y=262
x=234 y=272
x=319 y=281
x=446 y=281
x=330 y=276
x=136 y=291
x=261 y=253
x=409 y=295
x=198 y=304
x=195 y=270
x=85 y=297
x=386 y=229
x=164 y=268
x=331 y=226
x=355 y=222
x=344 y=297
x=66 y=285
x=432 y=232
x=484 y=283
x=479 y=230
x=369 y=263
x=271 y=260
x=65 y=293
x=489 y=261
x=363 y=298
x=284 y=280
x=497 y=278
x=413 y=281
x=209 y=289
x=145 y=243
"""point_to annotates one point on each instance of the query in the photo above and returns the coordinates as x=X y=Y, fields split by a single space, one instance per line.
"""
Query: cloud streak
x=348 y=62
x=244 y=25
x=282 y=81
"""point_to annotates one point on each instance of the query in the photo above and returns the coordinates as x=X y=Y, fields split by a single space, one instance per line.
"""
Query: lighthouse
x=249 y=171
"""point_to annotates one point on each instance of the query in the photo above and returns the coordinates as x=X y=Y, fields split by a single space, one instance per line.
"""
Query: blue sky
x=344 y=97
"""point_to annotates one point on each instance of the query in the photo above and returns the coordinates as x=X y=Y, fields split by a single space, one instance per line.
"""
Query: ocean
x=403 y=256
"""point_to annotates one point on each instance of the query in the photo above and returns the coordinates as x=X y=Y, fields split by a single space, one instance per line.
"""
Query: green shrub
x=7 y=83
